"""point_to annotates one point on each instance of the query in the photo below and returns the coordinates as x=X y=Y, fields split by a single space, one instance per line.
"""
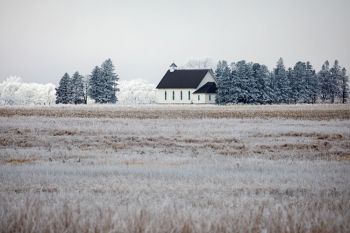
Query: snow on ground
x=89 y=173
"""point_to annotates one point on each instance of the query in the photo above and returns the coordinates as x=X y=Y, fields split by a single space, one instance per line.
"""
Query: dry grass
x=311 y=112
x=77 y=169
x=31 y=216
x=19 y=161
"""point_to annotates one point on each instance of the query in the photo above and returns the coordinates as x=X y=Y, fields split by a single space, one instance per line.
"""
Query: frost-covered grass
x=305 y=111
x=74 y=173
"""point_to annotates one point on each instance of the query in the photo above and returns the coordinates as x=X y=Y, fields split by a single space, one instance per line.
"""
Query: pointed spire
x=173 y=67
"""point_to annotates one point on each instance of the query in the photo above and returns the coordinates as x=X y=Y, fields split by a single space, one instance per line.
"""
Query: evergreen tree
x=262 y=85
x=291 y=84
x=242 y=75
x=103 y=83
x=110 y=79
x=297 y=76
x=335 y=80
x=344 y=87
x=281 y=83
x=96 y=86
x=310 y=85
x=253 y=83
x=222 y=74
x=86 y=81
x=63 y=91
x=77 y=87
x=323 y=78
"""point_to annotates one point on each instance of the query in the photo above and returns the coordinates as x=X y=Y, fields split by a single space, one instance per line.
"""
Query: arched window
x=180 y=95
x=189 y=95
x=173 y=95
x=165 y=95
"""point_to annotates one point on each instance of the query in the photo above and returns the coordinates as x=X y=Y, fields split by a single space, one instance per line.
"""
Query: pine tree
x=96 y=86
x=310 y=84
x=291 y=84
x=234 y=85
x=323 y=77
x=103 y=83
x=262 y=85
x=253 y=83
x=281 y=83
x=63 y=91
x=344 y=86
x=222 y=74
x=77 y=89
x=110 y=79
x=334 y=84
x=297 y=76
x=241 y=82
x=86 y=80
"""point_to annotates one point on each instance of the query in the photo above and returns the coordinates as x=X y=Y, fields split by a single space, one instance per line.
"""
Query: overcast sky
x=40 y=40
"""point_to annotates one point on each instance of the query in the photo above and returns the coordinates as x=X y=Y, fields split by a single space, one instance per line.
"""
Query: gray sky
x=40 y=40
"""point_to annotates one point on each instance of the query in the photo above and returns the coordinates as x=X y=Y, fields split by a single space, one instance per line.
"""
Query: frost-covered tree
x=291 y=83
x=334 y=83
x=86 y=80
x=136 y=92
x=281 y=84
x=203 y=63
x=296 y=81
x=223 y=78
x=323 y=77
x=110 y=80
x=96 y=85
x=262 y=86
x=103 y=83
x=13 y=91
x=242 y=82
x=310 y=85
x=77 y=87
x=64 y=90
x=344 y=86
x=253 y=83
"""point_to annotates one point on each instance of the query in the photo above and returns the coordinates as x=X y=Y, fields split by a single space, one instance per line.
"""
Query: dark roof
x=173 y=65
x=209 y=87
x=183 y=78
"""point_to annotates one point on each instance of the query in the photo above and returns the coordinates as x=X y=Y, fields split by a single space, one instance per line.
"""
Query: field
x=175 y=169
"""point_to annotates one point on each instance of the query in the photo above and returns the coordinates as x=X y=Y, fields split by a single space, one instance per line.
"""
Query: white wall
x=212 y=98
x=185 y=100
x=204 y=98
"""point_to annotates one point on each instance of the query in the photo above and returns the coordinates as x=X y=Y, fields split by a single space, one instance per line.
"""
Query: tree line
x=100 y=85
x=253 y=83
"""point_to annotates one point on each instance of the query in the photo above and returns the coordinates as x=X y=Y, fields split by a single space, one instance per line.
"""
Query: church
x=187 y=86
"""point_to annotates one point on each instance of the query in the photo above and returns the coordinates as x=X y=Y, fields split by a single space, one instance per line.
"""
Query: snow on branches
x=13 y=91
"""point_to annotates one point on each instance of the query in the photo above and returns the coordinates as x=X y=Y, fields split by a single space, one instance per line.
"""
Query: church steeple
x=173 y=67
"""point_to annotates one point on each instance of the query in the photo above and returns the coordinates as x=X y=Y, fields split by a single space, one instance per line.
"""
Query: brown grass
x=19 y=161
x=314 y=112
x=63 y=133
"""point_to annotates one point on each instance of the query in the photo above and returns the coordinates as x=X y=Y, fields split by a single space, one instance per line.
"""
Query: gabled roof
x=183 y=78
x=209 y=87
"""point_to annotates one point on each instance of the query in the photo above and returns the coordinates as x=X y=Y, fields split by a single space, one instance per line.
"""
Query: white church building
x=187 y=86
